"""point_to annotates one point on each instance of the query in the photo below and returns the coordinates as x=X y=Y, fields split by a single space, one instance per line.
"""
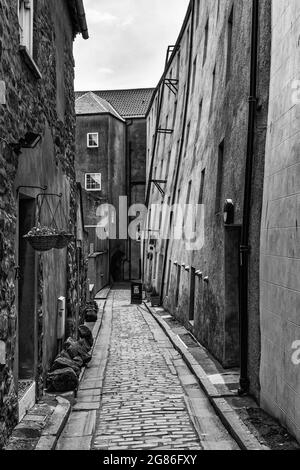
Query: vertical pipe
x=244 y=248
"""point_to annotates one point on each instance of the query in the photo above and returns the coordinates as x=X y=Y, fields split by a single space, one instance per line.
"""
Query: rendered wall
x=280 y=266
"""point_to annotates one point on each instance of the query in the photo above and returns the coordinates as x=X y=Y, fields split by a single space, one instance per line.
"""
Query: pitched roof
x=89 y=103
x=128 y=103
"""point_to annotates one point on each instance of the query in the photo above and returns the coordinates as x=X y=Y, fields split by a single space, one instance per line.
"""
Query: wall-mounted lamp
x=228 y=212
x=30 y=140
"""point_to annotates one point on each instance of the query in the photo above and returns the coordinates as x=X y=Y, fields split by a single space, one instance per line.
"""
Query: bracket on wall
x=172 y=84
x=43 y=188
x=158 y=183
x=164 y=131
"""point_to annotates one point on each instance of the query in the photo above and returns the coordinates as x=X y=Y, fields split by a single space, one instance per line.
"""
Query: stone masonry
x=41 y=102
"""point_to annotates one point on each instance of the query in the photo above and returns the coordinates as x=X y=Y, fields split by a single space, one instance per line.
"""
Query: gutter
x=82 y=19
x=244 y=247
x=192 y=12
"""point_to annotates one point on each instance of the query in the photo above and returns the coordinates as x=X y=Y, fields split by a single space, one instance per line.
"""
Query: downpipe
x=244 y=247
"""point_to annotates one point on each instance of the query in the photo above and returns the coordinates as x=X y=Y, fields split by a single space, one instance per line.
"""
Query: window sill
x=30 y=62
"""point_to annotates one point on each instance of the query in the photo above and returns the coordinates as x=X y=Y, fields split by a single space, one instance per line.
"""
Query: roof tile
x=128 y=103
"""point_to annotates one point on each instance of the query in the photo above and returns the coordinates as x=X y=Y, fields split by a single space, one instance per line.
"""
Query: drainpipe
x=128 y=146
x=182 y=141
x=244 y=248
x=82 y=19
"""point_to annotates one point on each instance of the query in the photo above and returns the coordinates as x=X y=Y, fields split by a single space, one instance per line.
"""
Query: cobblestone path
x=143 y=402
x=138 y=393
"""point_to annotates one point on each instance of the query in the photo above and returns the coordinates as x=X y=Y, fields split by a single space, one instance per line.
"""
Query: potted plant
x=155 y=298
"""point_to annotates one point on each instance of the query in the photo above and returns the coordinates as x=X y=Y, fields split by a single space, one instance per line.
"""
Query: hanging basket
x=63 y=240
x=43 y=238
x=42 y=242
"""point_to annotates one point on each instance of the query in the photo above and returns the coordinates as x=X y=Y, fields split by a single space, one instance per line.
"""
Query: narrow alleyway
x=145 y=398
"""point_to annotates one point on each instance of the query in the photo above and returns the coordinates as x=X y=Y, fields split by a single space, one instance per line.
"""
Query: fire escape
x=172 y=85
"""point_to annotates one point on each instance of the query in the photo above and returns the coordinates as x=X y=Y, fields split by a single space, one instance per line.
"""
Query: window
x=168 y=165
x=201 y=193
x=93 y=140
x=187 y=44
x=93 y=181
x=219 y=178
x=174 y=115
x=178 y=285
x=212 y=92
x=197 y=12
x=169 y=276
x=178 y=65
x=26 y=24
x=205 y=42
x=187 y=138
x=194 y=74
x=229 y=46
x=188 y=200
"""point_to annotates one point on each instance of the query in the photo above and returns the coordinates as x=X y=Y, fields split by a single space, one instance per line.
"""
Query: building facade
x=37 y=137
x=280 y=268
x=198 y=148
x=111 y=164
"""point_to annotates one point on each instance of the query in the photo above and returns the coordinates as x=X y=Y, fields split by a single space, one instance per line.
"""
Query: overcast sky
x=128 y=42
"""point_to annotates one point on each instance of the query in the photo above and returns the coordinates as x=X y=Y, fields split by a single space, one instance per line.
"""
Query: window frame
x=26 y=24
x=91 y=189
x=88 y=140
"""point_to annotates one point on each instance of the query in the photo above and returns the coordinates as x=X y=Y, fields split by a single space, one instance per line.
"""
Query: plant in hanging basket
x=63 y=239
x=42 y=238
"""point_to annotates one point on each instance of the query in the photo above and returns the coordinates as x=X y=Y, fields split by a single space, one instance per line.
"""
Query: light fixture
x=30 y=140
x=228 y=212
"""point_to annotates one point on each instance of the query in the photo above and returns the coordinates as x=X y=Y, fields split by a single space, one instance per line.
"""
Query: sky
x=128 y=42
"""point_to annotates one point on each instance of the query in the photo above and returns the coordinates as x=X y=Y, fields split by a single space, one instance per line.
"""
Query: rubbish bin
x=136 y=292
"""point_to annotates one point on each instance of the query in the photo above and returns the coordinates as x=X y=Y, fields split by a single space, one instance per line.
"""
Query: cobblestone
x=142 y=399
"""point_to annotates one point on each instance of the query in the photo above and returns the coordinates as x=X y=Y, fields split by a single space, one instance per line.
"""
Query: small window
x=93 y=181
x=93 y=140
x=26 y=24
x=205 y=41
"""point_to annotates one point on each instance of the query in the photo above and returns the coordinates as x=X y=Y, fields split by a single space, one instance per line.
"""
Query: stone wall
x=212 y=150
x=279 y=277
x=45 y=106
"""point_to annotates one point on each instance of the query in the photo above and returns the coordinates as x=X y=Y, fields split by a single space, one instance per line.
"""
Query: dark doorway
x=26 y=293
x=117 y=266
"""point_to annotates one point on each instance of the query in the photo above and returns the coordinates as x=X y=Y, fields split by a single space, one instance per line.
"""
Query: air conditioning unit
x=61 y=317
